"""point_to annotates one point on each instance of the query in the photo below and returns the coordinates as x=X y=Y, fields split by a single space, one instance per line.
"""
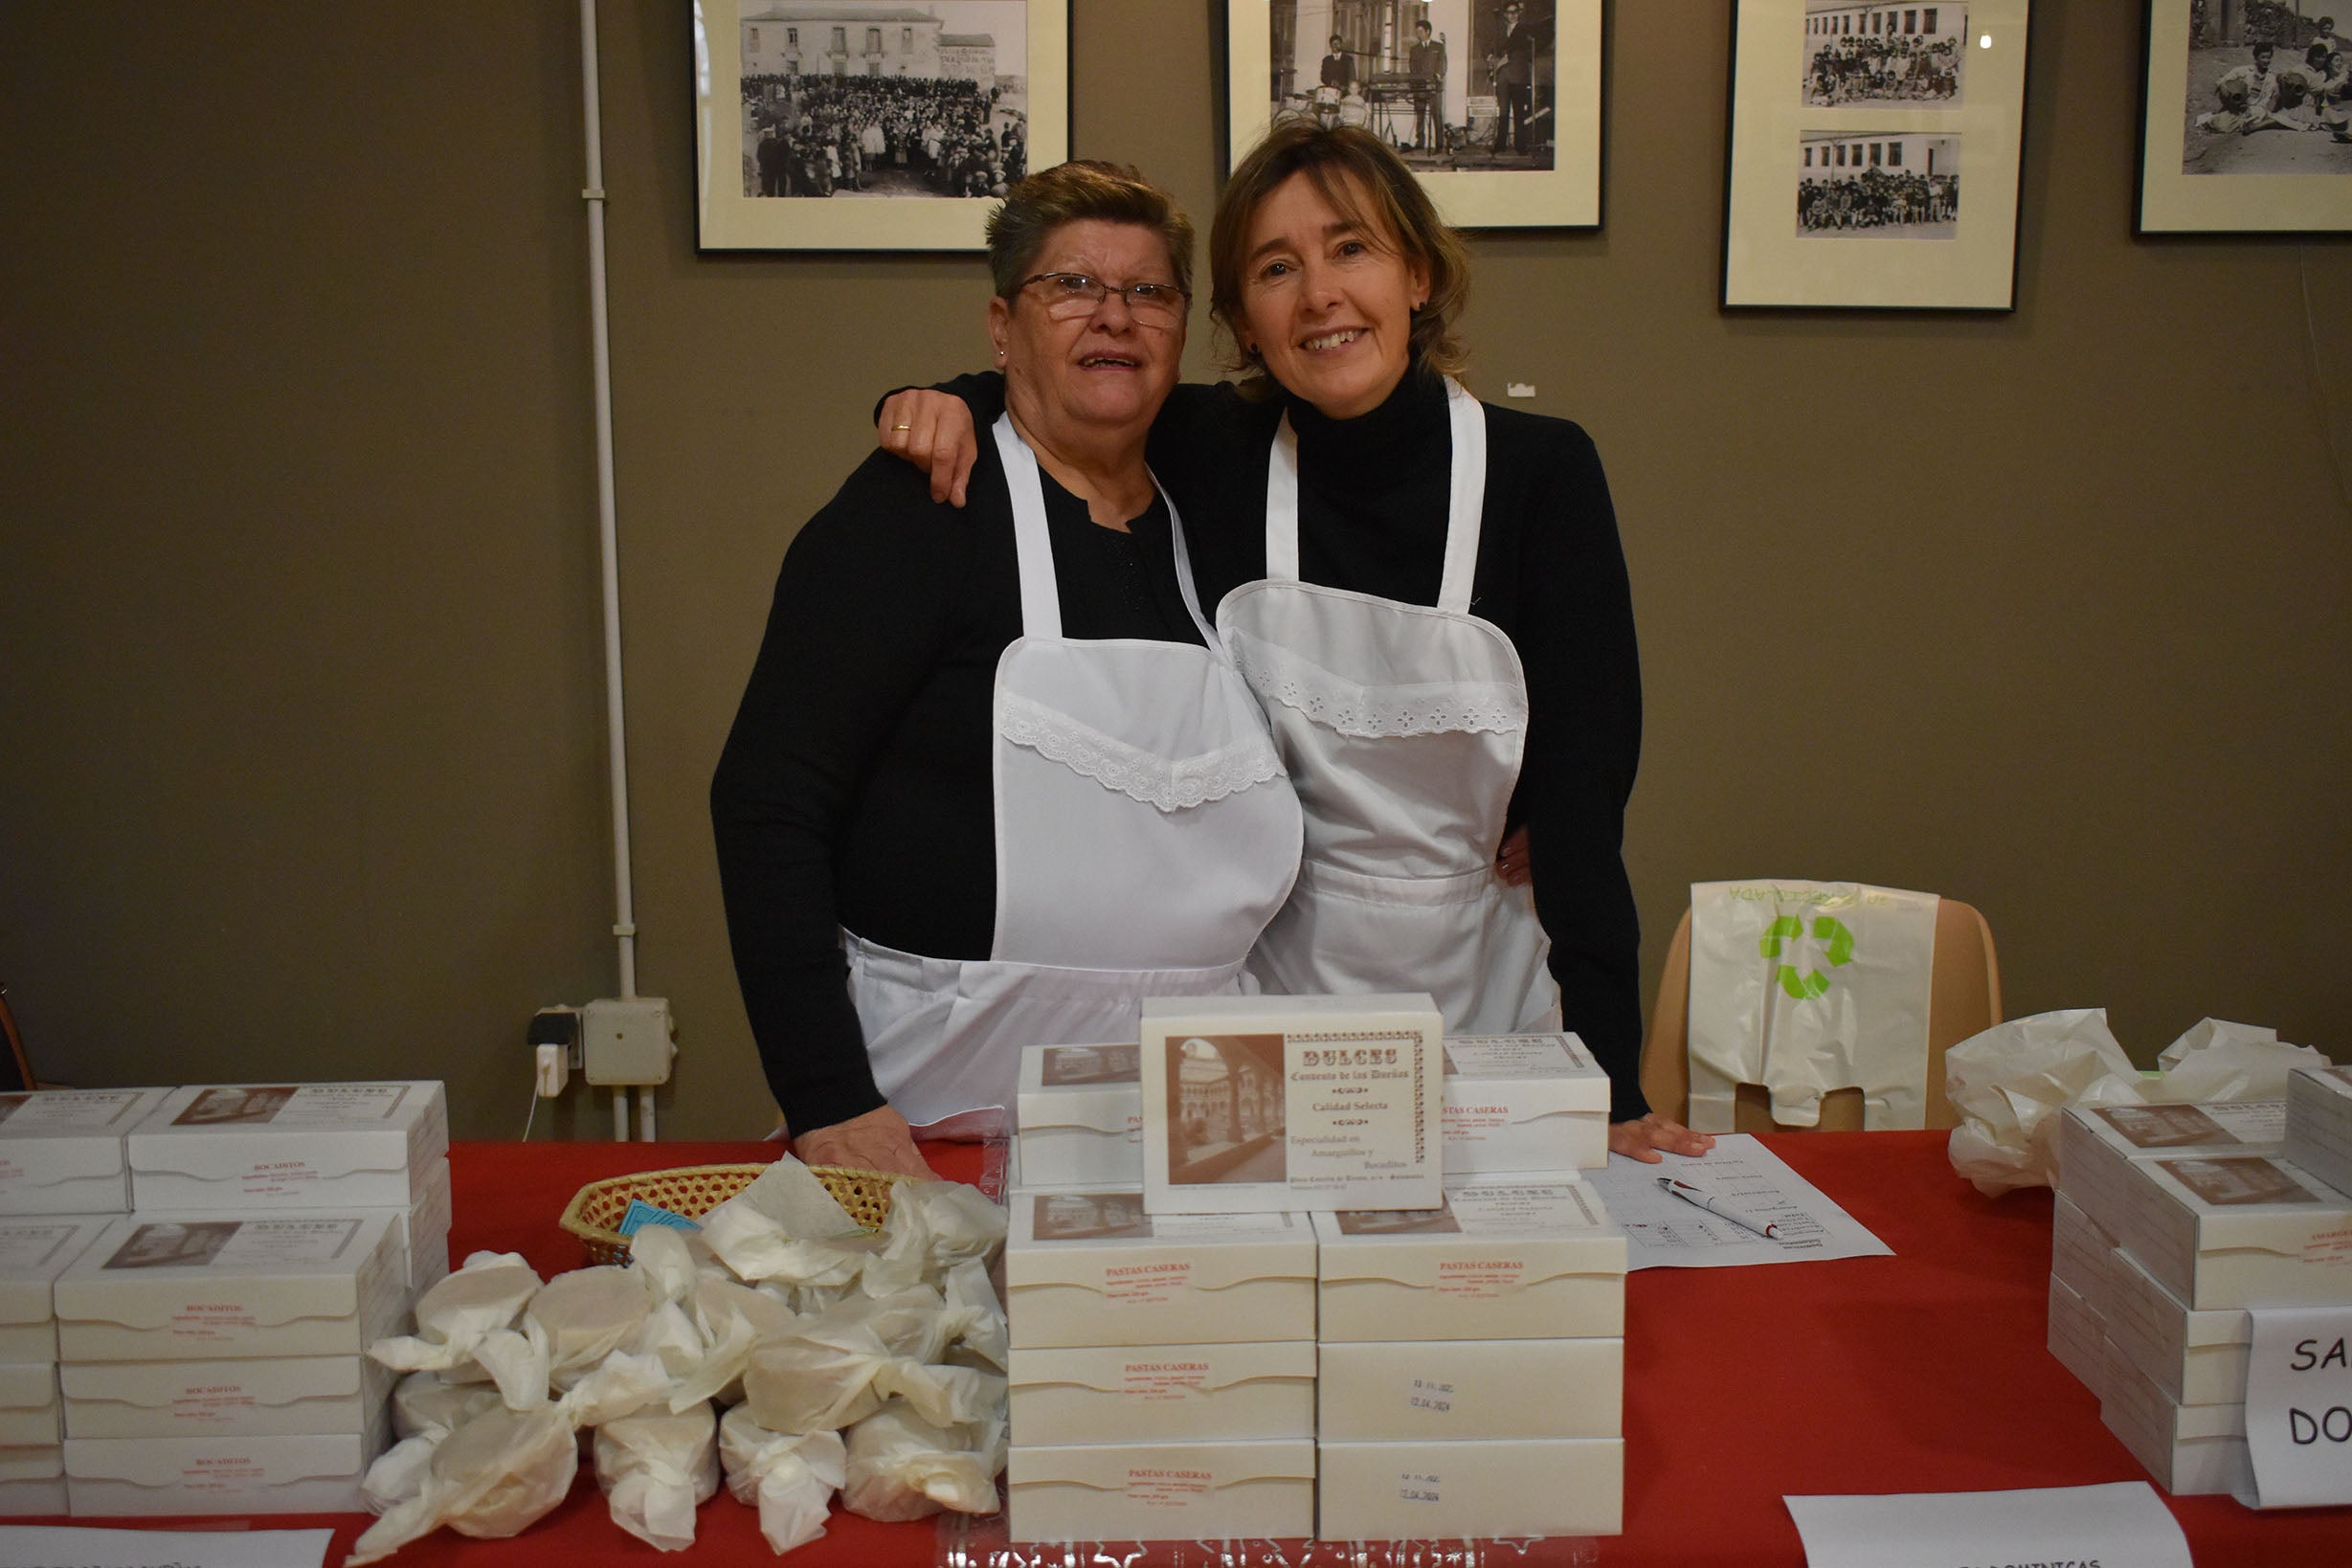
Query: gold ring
x=902 y=427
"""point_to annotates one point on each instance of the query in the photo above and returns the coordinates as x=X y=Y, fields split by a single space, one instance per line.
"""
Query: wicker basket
x=695 y=1190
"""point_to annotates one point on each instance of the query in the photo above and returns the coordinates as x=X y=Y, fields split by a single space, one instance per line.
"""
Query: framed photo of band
x=1495 y=104
x=871 y=124
x=2245 y=119
x=1875 y=154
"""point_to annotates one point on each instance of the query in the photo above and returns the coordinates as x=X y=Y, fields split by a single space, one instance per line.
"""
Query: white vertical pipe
x=617 y=736
x=620 y=1116
x=645 y=1114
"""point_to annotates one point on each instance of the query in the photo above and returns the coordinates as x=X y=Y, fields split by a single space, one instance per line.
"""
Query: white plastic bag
x=483 y=1297
x=2220 y=1060
x=932 y=1225
x=785 y=1227
x=2009 y=1084
x=902 y=1467
x=655 y=1467
x=790 y=1479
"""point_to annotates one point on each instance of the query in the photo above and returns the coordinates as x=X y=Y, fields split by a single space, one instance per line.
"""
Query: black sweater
x=855 y=789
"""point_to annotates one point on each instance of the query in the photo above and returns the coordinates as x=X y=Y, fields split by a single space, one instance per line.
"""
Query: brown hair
x=1074 y=192
x=1364 y=178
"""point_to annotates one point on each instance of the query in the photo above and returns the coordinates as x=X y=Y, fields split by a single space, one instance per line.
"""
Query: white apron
x=1402 y=728
x=1145 y=834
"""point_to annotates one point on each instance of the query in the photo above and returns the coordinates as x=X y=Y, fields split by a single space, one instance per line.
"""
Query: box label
x=2232 y=1183
x=65 y=1110
x=1167 y=1487
x=1421 y=1487
x=293 y=1104
x=1065 y=1066
x=1478 y=1279
x=232 y=1243
x=28 y=1248
x=2332 y=1246
x=2189 y=1126
x=1148 y=1284
x=1429 y=1394
x=1163 y=1380
x=1509 y=1056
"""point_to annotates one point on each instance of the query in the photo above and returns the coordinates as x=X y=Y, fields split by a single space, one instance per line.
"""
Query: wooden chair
x=1963 y=1000
x=15 y=1069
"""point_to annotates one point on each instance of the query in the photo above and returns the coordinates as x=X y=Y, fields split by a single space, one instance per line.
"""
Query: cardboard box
x=1497 y=1260
x=420 y=1235
x=1523 y=1103
x=2097 y=1146
x=1163 y=1392
x=2192 y=1450
x=61 y=1150
x=1092 y=1268
x=2192 y=1357
x=2081 y=1253
x=32 y=1481
x=1155 y=1492
x=1259 y=1104
x=2318 y=1134
x=2237 y=1231
x=260 y=1396
x=237 y=1146
x=1440 y=1491
x=1455 y=1389
x=29 y=1405
x=249 y=1285
x=32 y=1253
x=2078 y=1339
x=1081 y=1115
x=314 y=1473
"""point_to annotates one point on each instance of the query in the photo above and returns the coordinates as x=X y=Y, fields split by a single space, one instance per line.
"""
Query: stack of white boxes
x=1165 y=1379
x=211 y=1343
x=63 y=1175
x=2320 y=1124
x=2171 y=1222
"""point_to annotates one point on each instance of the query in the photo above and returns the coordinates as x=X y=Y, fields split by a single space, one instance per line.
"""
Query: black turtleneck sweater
x=1550 y=575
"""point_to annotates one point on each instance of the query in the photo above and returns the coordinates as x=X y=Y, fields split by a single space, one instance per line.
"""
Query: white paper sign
x=2123 y=1525
x=40 y=1546
x=1663 y=1231
x=2299 y=1405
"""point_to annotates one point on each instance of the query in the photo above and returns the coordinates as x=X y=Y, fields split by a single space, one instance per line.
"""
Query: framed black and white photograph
x=1874 y=155
x=1495 y=104
x=866 y=125
x=2246 y=118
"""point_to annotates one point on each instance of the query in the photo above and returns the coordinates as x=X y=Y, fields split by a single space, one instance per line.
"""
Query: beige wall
x=300 y=670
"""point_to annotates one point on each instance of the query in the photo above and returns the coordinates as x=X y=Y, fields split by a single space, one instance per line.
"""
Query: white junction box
x=32 y=1253
x=61 y=1150
x=1428 y=1389
x=242 y=1145
x=627 y=1041
x=260 y=1397
x=1373 y=1491
x=1524 y=1103
x=1255 y=1104
x=32 y=1481
x=1159 y=1491
x=1498 y=1259
x=236 y=1285
x=1163 y=1392
x=311 y=1473
x=1092 y=1268
x=1081 y=1115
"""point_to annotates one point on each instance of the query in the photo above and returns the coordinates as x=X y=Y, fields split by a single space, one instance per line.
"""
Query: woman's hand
x=932 y=430
x=1510 y=861
x=880 y=1140
x=1642 y=1140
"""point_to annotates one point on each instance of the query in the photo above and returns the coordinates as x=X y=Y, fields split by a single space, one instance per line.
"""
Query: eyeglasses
x=1072 y=294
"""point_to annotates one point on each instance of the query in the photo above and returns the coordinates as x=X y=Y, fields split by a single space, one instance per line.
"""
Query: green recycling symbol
x=1825 y=929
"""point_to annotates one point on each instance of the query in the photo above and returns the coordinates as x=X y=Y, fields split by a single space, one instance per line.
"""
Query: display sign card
x=2299 y=1405
x=2121 y=1525
x=36 y=1546
x=1270 y=1103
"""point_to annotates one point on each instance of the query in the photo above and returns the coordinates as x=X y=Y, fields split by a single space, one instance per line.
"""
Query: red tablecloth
x=1922 y=1372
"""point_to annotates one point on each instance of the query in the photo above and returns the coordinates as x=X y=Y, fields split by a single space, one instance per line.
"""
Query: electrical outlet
x=627 y=1041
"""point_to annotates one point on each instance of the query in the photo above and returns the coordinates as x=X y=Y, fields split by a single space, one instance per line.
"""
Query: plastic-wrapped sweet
x=572 y=1323
x=945 y=1395
x=424 y=1403
x=932 y=1225
x=785 y=1227
x=483 y=1297
x=655 y=1467
x=902 y=1467
x=731 y=1320
x=790 y=1479
x=974 y=1318
x=821 y=1375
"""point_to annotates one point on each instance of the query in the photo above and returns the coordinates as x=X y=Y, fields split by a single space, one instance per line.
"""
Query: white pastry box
x=61 y=1151
x=1157 y=1491
x=1524 y=1103
x=230 y=1286
x=311 y=1473
x=1261 y=1104
x=31 y=1481
x=2238 y=1231
x=29 y=1405
x=257 y=1397
x=1092 y=1268
x=1432 y=1389
x=1422 y=1491
x=2192 y=1357
x=2078 y=1338
x=1163 y=1392
x=2190 y=1450
x=1498 y=1259
x=1081 y=1115
x=2097 y=1146
x=233 y=1146
x=2081 y=1253
x=420 y=1235
x=32 y=1253
x=2319 y=1133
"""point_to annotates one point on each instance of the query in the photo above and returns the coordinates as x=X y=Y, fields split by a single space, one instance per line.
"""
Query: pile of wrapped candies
x=868 y=1364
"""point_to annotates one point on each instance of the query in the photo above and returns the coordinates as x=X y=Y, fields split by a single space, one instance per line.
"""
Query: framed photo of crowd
x=1875 y=154
x=872 y=125
x=2246 y=118
x=1495 y=104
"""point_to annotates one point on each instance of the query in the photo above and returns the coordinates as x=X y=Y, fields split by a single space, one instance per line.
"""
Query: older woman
x=995 y=781
x=1429 y=597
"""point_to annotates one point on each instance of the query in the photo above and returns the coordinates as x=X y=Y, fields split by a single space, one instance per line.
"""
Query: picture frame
x=2270 y=171
x=1504 y=131
x=818 y=127
x=1875 y=154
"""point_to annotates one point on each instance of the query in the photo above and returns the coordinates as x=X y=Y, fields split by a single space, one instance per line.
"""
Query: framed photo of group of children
x=872 y=125
x=2246 y=118
x=1874 y=155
